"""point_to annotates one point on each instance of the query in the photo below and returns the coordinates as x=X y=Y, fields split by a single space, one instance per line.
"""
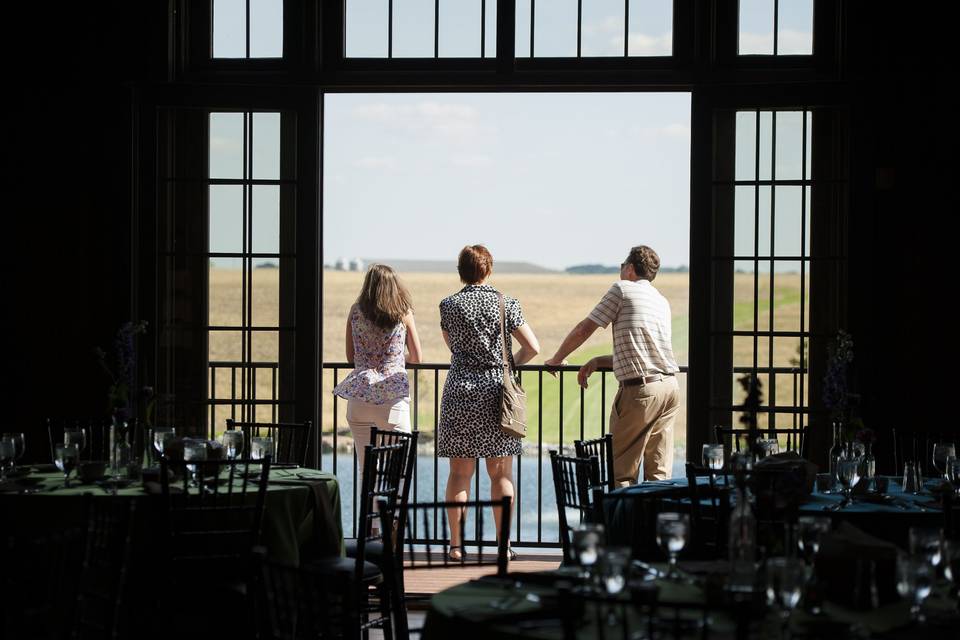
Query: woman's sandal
x=456 y=549
x=511 y=554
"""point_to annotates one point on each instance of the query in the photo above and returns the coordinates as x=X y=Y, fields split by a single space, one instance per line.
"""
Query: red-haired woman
x=469 y=426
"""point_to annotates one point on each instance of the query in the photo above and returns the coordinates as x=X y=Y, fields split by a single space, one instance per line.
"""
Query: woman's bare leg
x=500 y=471
x=458 y=490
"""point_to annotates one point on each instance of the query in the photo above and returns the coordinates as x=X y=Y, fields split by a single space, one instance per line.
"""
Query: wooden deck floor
x=430 y=581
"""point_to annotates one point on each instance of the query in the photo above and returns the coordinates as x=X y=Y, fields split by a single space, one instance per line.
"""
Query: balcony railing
x=559 y=412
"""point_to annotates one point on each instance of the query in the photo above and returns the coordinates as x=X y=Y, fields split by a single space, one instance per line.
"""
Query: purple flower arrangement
x=836 y=396
x=120 y=365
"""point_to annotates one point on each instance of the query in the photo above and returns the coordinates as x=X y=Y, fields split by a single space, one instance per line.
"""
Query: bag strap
x=503 y=332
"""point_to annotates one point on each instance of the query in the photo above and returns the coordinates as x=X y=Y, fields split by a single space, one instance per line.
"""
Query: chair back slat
x=602 y=448
x=291 y=440
x=576 y=482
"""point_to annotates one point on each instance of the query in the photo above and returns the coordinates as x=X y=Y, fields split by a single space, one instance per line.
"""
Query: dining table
x=530 y=605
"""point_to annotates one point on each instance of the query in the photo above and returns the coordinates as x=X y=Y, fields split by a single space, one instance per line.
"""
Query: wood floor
x=430 y=581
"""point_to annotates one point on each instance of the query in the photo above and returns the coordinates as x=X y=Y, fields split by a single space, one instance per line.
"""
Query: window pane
x=225 y=306
x=788 y=225
x=651 y=28
x=366 y=30
x=743 y=351
x=460 y=29
x=766 y=144
x=413 y=29
x=556 y=29
x=809 y=143
x=765 y=195
x=603 y=27
x=806 y=222
x=266 y=28
x=786 y=299
x=265 y=233
x=491 y=30
x=266 y=146
x=789 y=151
x=744 y=224
x=229 y=29
x=522 y=36
x=226 y=218
x=225 y=346
x=743 y=300
x=265 y=347
x=226 y=145
x=795 y=31
x=265 y=294
x=756 y=27
x=746 y=150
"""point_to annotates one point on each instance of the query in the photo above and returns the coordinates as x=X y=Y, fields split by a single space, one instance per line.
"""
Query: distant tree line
x=582 y=269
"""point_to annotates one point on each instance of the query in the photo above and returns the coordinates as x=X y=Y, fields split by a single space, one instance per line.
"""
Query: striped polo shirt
x=641 y=329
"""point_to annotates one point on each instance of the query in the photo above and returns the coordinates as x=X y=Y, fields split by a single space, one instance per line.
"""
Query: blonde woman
x=380 y=324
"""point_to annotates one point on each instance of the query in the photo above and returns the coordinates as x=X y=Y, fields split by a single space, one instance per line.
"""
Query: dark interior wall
x=72 y=77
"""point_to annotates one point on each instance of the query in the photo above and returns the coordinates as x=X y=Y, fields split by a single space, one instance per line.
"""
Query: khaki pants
x=361 y=416
x=641 y=422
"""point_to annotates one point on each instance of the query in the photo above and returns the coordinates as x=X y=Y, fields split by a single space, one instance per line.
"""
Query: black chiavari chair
x=291 y=440
x=602 y=448
x=576 y=482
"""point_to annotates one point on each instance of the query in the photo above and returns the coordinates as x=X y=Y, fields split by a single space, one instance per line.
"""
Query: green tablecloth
x=302 y=510
x=500 y=609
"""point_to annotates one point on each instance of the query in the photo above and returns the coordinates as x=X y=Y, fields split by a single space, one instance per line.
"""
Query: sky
x=555 y=179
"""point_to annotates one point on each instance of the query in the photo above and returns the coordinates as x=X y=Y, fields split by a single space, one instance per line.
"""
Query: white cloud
x=674 y=130
x=474 y=161
x=376 y=162
x=795 y=42
x=643 y=44
x=756 y=43
x=442 y=119
x=224 y=144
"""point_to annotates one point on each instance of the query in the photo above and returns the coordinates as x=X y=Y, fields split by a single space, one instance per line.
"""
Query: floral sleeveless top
x=380 y=374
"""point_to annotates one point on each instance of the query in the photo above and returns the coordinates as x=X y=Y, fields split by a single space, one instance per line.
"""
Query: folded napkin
x=852 y=565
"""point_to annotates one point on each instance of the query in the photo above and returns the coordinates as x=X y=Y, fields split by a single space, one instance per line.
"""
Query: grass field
x=552 y=304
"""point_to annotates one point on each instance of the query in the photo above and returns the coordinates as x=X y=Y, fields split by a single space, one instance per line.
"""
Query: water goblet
x=232 y=443
x=19 y=441
x=785 y=581
x=161 y=436
x=915 y=578
x=672 y=532
x=942 y=451
x=8 y=454
x=768 y=447
x=809 y=531
x=911 y=477
x=587 y=541
x=712 y=456
x=195 y=450
x=926 y=543
x=613 y=569
x=66 y=457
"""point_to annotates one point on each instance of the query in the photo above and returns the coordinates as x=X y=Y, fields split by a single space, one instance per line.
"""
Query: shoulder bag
x=513 y=402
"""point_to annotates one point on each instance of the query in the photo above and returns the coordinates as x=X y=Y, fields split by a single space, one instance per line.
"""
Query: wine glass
x=613 y=569
x=672 y=532
x=809 y=530
x=713 y=456
x=162 y=435
x=261 y=447
x=942 y=451
x=849 y=472
x=926 y=543
x=233 y=443
x=8 y=454
x=195 y=450
x=587 y=539
x=65 y=457
x=77 y=436
x=785 y=580
x=768 y=447
x=951 y=562
x=914 y=581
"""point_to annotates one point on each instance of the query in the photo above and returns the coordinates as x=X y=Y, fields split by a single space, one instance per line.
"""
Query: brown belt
x=639 y=382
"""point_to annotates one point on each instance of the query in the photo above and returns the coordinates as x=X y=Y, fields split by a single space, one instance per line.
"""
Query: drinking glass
x=849 y=472
x=768 y=447
x=809 y=531
x=951 y=561
x=859 y=450
x=713 y=456
x=77 y=436
x=261 y=447
x=65 y=457
x=927 y=543
x=672 y=532
x=162 y=435
x=587 y=540
x=953 y=472
x=942 y=451
x=613 y=569
x=911 y=477
x=194 y=450
x=915 y=578
x=785 y=580
x=233 y=443
x=19 y=441
x=8 y=454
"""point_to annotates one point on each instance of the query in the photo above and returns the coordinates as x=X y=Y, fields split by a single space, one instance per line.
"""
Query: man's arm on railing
x=592 y=365
x=577 y=336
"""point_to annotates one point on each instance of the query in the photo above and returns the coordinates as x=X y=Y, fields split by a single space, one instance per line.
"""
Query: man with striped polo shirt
x=648 y=400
